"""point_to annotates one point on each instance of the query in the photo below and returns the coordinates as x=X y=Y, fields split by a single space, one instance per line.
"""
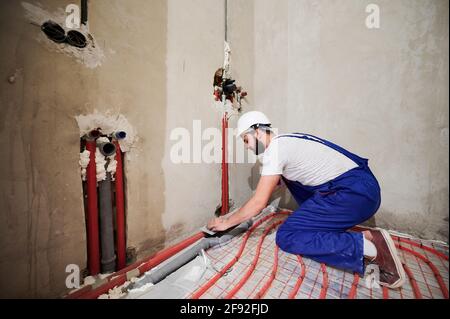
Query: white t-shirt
x=308 y=162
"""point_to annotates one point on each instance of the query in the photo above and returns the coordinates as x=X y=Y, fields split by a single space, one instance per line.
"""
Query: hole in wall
x=57 y=34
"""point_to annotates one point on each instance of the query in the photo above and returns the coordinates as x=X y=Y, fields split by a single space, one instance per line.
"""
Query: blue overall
x=318 y=228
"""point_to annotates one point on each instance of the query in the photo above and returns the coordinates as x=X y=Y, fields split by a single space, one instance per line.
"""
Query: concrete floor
x=278 y=275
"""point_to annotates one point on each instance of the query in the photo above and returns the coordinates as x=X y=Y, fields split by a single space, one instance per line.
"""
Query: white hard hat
x=249 y=119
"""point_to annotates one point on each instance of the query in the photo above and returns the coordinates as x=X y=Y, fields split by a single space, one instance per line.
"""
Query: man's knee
x=279 y=239
x=283 y=239
x=293 y=241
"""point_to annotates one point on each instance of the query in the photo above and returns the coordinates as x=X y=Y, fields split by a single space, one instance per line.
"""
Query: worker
x=335 y=190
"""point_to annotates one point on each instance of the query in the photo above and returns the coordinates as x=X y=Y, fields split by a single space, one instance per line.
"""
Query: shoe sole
x=398 y=263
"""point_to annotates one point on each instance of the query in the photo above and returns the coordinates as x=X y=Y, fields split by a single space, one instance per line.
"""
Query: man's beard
x=260 y=148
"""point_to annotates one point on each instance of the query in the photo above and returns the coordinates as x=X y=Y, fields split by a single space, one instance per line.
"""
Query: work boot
x=392 y=274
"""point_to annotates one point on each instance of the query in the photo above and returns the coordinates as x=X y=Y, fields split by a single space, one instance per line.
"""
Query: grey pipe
x=108 y=260
x=107 y=149
x=159 y=273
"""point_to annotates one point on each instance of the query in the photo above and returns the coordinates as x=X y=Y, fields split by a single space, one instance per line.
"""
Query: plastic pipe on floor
x=162 y=272
x=118 y=278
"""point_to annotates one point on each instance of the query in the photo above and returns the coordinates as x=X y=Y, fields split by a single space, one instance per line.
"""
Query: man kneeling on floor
x=336 y=191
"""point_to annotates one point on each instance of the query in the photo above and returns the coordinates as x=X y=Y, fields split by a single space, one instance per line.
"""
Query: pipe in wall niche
x=225 y=193
x=107 y=149
x=120 y=210
x=92 y=209
x=92 y=135
x=159 y=273
x=119 y=135
x=106 y=225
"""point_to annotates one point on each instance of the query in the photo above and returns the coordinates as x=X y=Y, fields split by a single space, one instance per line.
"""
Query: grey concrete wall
x=381 y=93
x=157 y=70
x=41 y=207
x=313 y=66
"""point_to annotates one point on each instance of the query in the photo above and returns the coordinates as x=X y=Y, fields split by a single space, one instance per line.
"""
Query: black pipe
x=107 y=149
x=106 y=225
x=92 y=135
x=84 y=11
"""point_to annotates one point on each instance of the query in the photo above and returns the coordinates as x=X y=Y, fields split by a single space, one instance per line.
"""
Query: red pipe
x=413 y=281
x=273 y=274
x=299 y=280
x=433 y=268
x=119 y=278
x=225 y=194
x=407 y=241
x=120 y=211
x=352 y=293
x=421 y=246
x=385 y=293
x=423 y=258
x=201 y=291
x=249 y=272
x=93 y=240
x=323 y=291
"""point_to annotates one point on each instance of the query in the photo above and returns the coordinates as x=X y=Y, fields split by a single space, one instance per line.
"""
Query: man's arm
x=258 y=202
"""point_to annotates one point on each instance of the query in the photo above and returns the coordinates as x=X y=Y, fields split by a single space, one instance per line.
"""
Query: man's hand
x=218 y=224
x=259 y=200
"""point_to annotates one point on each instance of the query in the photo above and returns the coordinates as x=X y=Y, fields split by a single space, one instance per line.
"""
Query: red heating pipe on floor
x=120 y=210
x=273 y=274
x=433 y=268
x=299 y=282
x=421 y=246
x=408 y=241
x=202 y=289
x=249 y=272
x=323 y=291
x=385 y=293
x=413 y=282
x=93 y=240
x=352 y=293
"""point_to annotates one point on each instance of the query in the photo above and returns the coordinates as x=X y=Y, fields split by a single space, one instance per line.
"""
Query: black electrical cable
x=84 y=11
x=57 y=34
